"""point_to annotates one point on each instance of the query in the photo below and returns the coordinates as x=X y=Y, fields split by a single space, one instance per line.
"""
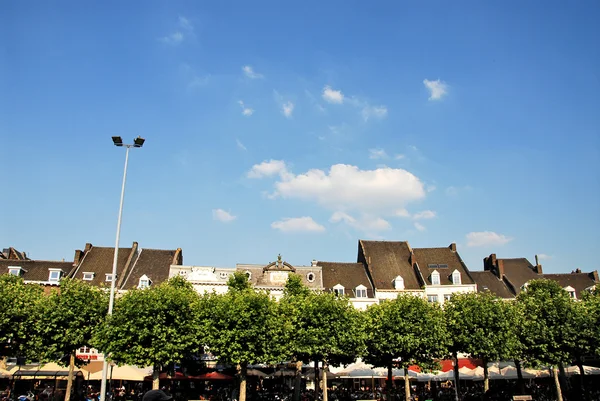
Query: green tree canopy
x=482 y=325
x=156 y=326
x=17 y=315
x=591 y=302
x=409 y=330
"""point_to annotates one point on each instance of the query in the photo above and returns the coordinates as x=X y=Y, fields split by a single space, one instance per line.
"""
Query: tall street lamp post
x=137 y=143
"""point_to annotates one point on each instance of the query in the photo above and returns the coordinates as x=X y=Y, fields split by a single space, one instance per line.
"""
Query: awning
x=21 y=374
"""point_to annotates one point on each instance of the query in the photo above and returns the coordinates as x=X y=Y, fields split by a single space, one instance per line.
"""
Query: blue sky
x=300 y=127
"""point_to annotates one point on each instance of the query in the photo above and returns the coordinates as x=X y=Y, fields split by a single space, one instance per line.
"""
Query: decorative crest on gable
x=279 y=265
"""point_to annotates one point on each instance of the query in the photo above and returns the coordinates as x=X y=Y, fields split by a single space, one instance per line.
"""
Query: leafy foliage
x=17 y=318
x=588 y=314
x=238 y=281
x=155 y=326
x=67 y=319
x=548 y=325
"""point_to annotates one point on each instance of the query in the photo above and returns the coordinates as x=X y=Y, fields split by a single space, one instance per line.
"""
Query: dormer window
x=55 y=275
x=456 y=278
x=338 y=290
x=144 y=282
x=399 y=283
x=88 y=276
x=571 y=291
x=361 y=291
x=15 y=271
x=109 y=277
x=435 y=278
x=310 y=277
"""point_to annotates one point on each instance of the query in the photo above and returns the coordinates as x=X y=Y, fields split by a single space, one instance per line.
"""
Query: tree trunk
x=554 y=373
x=298 y=381
x=390 y=378
x=155 y=377
x=581 y=379
x=520 y=382
x=486 y=377
x=324 y=381
x=70 y=376
x=243 y=368
x=317 y=384
x=406 y=384
x=456 y=375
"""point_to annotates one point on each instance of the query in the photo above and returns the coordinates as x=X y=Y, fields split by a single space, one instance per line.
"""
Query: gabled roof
x=99 y=260
x=445 y=261
x=13 y=253
x=154 y=263
x=579 y=281
x=35 y=270
x=349 y=275
x=385 y=260
x=488 y=281
x=518 y=271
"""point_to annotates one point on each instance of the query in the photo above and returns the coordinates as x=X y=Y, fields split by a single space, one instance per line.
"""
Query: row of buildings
x=382 y=270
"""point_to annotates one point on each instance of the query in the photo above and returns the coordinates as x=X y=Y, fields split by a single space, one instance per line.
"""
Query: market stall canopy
x=5 y=374
x=256 y=372
x=214 y=376
x=50 y=370
x=93 y=371
x=587 y=370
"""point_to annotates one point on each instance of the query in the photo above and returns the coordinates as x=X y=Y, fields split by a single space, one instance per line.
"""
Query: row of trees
x=170 y=323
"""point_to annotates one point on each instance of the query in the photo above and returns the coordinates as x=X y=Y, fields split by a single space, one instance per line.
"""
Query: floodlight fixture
x=117 y=140
x=138 y=142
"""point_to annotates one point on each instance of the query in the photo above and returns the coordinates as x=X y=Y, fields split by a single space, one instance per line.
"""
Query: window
x=456 y=277
x=432 y=298
x=109 y=277
x=572 y=294
x=399 y=283
x=443 y=266
x=338 y=290
x=223 y=275
x=447 y=297
x=435 y=278
x=14 y=271
x=145 y=282
x=88 y=276
x=432 y=265
x=571 y=291
x=54 y=275
x=310 y=277
x=361 y=291
x=248 y=274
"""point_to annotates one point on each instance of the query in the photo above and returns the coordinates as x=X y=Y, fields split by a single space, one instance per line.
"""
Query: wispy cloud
x=197 y=82
x=246 y=111
x=377 y=112
x=297 y=224
x=437 y=89
x=424 y=215
x=453 y=191
x=332 y=96
x=420 y=226
x=288 y=109
x=240 y=145
x=268 y=168
x=250 y=73
x=377 y=153
x=223 y=216
x=368 y=224
x=184 y=29
x=486 y=238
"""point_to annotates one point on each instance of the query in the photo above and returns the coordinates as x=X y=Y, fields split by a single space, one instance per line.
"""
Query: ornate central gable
x=279 y=265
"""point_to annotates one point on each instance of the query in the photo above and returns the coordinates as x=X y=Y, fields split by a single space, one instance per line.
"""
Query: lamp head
x=138 y=142
x=117 y=140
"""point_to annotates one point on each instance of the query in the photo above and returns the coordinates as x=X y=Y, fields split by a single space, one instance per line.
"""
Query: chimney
x=453 y=247
x=78 y=257
x=594 y=275
x=313 y=263
x=500 y=268
x=537 y=267
x=88 y=246
x=489 y=262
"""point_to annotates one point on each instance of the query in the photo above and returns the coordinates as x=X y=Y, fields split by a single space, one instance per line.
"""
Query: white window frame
x=15 y=270
x=432 y=298
x=88 y=276
x=399 y=283
x=310 y=277
x=52 y=272
x=248 y=274
x=339 y=290
x=456 y=277
x=144 y=282
x=571 y=291
x=435 y=278
x=361 y=291
x=109 y=277
x=447 y=297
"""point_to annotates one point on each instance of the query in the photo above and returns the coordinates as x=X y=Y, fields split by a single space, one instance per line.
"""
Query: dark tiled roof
x=518 y=271
x=387 y=260
x=441 y=256
x=349 y=275
x=99 y=260
x=154 y=263
x=12 y=253
x=579 y=281
x=488 y=281
x=35 y=270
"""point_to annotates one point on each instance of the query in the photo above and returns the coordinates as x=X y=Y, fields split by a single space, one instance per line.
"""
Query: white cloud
x=437 y=89
x=268 y=169
x=173 y=39
x=377 y=153
x=402 y=213
x=431 y=188
x=486 y=238
x=246 y=111
x=332 y=96
x=288 y=109
x=250 y=73
x=399 y=157
x=367 y=223
x=297 y=224
x=420 y=226
x=223 y=216
x=378 y=112
x=240 y=145
x=454 y=191
x=543 y=256
x=178 y=36
x=345 y=187
x=185 y=23
x=425 y=214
